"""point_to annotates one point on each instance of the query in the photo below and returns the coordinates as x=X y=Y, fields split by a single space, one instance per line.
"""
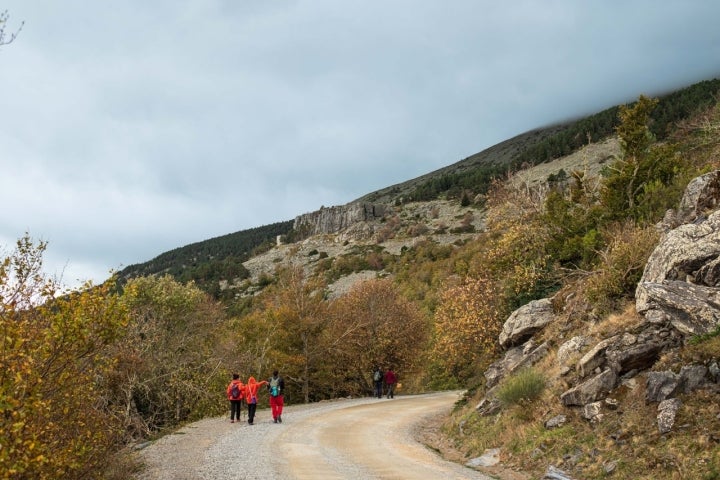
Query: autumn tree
x=169 y=364
x=467 y=324
x=372 y=325
x=298 y=306
x=54 y=362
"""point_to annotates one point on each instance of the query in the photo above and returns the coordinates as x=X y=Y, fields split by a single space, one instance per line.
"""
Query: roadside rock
x=524 y=322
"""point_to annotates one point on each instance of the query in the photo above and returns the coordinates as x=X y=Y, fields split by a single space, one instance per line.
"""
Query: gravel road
x=364 y=438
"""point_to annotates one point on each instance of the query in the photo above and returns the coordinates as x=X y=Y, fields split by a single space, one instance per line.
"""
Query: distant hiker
x=235 y=392
x=276 y=385
x=390 y=381
x=251 y=397
x=377 y=382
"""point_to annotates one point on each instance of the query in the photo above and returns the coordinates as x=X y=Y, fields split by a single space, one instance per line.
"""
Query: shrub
x=525 y=386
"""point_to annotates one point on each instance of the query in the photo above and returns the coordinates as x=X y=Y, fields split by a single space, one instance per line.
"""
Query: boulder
x=595 y=357
x=591 y=390
x=569 y=348
x=687 y=254
x=524 y=322
x=691 y=309
x=667 y=410
x=514 y=359
x=693 y=377
x=702 y=194
x=661 y=386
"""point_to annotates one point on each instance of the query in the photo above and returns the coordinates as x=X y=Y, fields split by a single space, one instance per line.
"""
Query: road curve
x=362 y=438
x=369 y=441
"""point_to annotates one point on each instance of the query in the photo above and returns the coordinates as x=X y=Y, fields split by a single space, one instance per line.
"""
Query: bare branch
x=7 y=38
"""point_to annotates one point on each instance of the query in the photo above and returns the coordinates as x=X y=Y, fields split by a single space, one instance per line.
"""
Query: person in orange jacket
x=251 y=397
x=235 y=392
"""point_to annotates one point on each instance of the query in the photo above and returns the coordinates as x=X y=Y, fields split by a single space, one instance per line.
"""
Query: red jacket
x=240 y=386
x=251 y=389
x=390 y=377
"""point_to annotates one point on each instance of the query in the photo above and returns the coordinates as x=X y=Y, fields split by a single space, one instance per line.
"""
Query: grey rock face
x=337 y=218
x=524 y=322
x=701 y=195
x=591 y=390
x=661 y=386
x=681 y=278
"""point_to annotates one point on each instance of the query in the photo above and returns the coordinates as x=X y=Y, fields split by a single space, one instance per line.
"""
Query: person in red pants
x=390 y=381
x=276 y=385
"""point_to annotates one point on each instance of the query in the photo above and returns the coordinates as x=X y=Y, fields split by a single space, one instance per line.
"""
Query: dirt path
x=368 y=441
x=361 y=438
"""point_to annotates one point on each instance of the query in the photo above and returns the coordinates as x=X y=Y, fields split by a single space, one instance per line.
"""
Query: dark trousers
x=378 y=389
x=235 y=407
x=251 y=412
x=390 y=390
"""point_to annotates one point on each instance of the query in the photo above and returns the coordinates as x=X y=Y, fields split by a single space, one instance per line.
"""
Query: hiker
x=235 y=392
x=377 y=381
x=251 y=397
x=390 y=381
x=276 y=385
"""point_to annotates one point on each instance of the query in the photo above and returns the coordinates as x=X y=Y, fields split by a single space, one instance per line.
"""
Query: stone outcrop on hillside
x=678 y=296
x=680 y=280
x=337 y=218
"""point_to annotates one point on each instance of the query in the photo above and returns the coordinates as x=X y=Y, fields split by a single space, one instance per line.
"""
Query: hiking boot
x=279 y=419
x=275 y=420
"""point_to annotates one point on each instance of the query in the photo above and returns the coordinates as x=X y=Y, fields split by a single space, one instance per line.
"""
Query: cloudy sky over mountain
x=131 y=128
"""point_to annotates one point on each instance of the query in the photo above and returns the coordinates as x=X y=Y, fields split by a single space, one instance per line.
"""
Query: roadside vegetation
x=84 y=374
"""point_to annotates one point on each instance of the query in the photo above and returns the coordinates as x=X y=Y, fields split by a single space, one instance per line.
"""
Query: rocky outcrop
x=678 y=296
x=679 y=283
x=524 y=322
x=338 y=218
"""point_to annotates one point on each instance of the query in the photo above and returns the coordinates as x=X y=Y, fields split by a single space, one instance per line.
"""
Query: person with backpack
x=390 y=381
x=251 y=397
x=276 y=385
x=235 y=392
x=377 y=381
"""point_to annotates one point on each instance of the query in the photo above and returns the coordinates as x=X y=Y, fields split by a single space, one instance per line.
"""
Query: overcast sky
x=131 y=128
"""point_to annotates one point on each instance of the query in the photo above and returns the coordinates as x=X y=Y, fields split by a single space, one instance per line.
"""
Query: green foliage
x=637 y=183
x=524 y=386
x=54 y=419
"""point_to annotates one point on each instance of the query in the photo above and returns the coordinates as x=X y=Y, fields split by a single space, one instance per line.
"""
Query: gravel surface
x=304 y=445
x=217 y=449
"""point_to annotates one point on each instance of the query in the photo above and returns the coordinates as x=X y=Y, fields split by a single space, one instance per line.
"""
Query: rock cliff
x=338 y=218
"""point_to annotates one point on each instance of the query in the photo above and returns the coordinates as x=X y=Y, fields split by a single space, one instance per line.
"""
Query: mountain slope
x=211 y=262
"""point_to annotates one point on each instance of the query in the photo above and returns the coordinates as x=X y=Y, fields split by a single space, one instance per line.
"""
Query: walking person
x=276 y=386
x=377 y=382
x=251 y=397
x=390 y=381
x=235 y=392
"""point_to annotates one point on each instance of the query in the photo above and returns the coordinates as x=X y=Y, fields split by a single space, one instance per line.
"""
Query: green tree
x=636 y=176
